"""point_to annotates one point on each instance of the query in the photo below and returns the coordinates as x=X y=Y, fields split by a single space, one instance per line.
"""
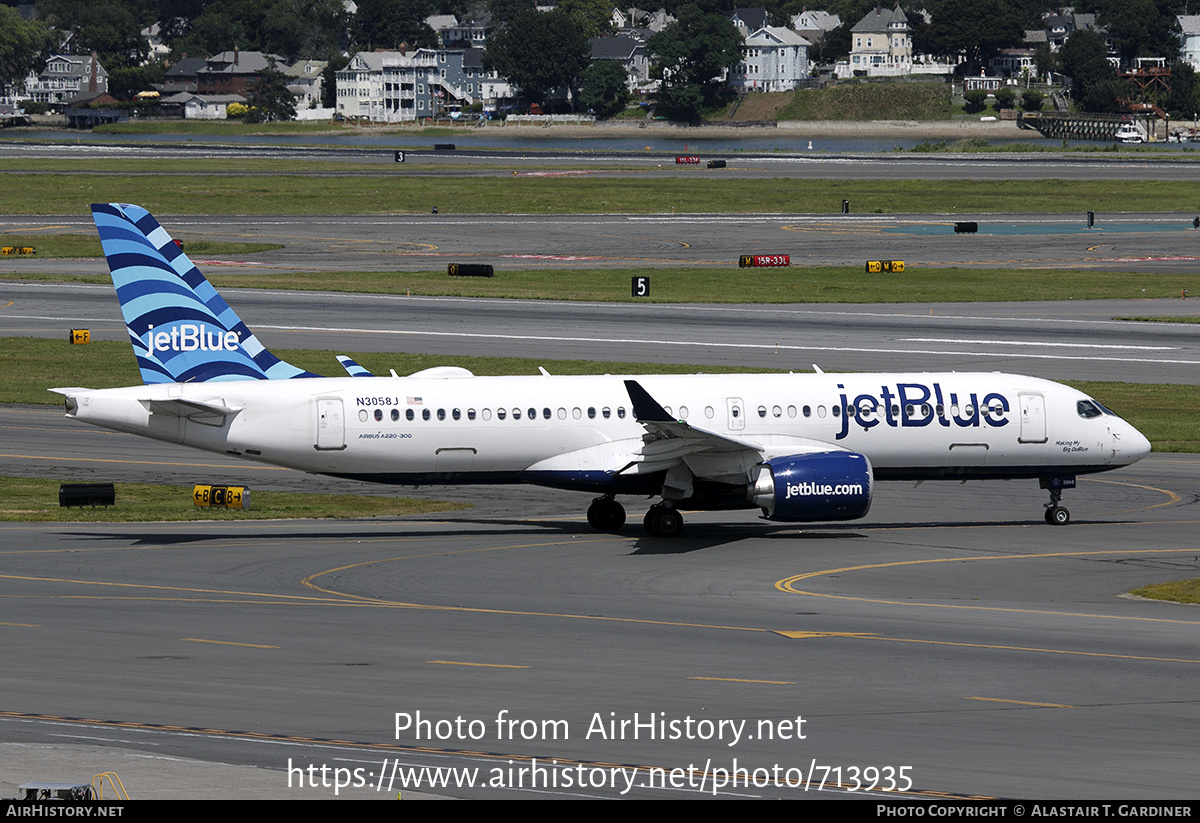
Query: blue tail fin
x=182 y=330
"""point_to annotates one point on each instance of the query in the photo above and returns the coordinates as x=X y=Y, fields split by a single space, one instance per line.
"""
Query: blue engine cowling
x=833 y=485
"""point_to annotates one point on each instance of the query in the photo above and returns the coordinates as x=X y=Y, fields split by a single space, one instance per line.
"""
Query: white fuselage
x=580 y=432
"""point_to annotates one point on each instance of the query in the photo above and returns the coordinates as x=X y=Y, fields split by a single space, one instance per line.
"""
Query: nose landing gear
x=1057 y=515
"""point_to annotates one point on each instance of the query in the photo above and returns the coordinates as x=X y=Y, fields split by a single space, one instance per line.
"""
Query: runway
x=1074 y=340
x=654 y=160
x=948 y=645
x=1159 y=242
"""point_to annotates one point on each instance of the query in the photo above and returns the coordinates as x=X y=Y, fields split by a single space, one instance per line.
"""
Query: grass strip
x=1178 y=591
x=689 y=191
x=716 y=283
x=1168 y=414
x=727 y=284
x=36 y=500
x=88 y=245
x=33 y=364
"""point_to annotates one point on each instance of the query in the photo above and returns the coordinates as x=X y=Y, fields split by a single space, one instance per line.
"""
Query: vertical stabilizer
x=182 y=331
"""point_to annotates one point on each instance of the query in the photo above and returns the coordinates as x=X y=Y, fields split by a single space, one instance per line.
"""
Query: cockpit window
x=1088 y=409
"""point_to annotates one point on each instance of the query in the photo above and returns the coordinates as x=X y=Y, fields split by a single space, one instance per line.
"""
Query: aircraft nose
x=1132 y=445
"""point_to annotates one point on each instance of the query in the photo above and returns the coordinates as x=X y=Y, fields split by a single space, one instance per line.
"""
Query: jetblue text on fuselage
x=191 y=337
x=914 y=405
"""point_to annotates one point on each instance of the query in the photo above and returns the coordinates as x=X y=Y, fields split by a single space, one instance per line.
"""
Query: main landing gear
x=607 y=515
x=663 y=521
x=1057 y=515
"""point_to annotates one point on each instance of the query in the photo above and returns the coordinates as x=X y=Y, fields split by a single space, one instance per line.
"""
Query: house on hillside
x=748 y=20
x=1189 y=25
x=394 y=86
x=67 y=77
x=773 y=59
x=881 y=44
x=629 y=49
x=304 y=82
x=624 y=19
x=232 y=72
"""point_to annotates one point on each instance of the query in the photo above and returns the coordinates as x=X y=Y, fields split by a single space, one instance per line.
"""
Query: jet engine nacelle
x=834 y=485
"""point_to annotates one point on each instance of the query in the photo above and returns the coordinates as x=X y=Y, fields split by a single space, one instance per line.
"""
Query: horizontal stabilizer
x=177 y=407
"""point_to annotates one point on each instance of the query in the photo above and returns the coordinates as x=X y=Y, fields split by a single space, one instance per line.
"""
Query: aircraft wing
x=669 y=442
x=661 y=426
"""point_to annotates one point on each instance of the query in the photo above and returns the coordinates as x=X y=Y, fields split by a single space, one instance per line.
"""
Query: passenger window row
x=531 y=413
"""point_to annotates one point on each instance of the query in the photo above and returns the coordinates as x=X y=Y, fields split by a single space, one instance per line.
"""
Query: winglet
x=182 y=331
x=645 y=408
x=353 y=369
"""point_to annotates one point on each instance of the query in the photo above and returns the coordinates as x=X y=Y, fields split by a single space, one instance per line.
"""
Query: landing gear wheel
x=663 y=521
x=1057 y=516
x=606 y=515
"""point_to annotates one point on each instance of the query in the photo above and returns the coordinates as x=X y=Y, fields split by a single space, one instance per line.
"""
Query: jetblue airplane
x=798 y=447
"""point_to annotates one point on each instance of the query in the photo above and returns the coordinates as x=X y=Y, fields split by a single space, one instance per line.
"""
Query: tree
x=605 y=88
x=1182 y=100
x=293 y=28
x=1139 y=28
x=385 y=24
x=303 y=28
x=594 y=17
x=690 y=56
x=1005 y=97
x=504 y=10
x=269 y=98
x=974 y=28
x=538 y=53
x=1094 y=80
x=124 y=83
x=975 y=101
x=111 y=28
x=24 y=46
x=1031 y=100
x=329 y=80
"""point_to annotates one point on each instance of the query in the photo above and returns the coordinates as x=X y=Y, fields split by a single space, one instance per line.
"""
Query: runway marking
x=1024 y=703
x=480 y=665
x=23 y=625
x=788 y=585
x=229 y=643
x=1111 y=655
x=1173 y=497
x=458 y=335
x=1033 y=343
x=740 y=680
x=801 y=635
